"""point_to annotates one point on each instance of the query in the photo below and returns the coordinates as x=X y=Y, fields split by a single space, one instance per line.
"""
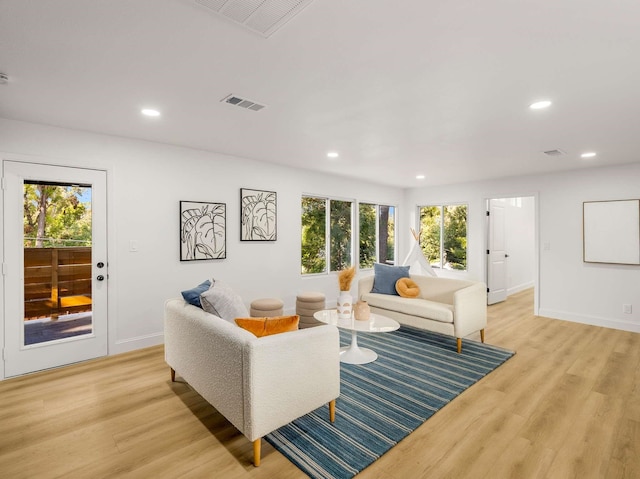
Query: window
x=377 y=234
x=326 y=240
x=443 y=236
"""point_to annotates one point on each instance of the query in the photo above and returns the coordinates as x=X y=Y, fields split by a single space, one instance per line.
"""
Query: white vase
x=345 y=305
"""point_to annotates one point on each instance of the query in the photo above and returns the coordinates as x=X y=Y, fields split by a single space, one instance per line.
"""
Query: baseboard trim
x=591 y=320
x=139 y=342
x=520 y=287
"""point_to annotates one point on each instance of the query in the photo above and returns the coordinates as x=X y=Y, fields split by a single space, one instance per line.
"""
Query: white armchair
x=258 y=384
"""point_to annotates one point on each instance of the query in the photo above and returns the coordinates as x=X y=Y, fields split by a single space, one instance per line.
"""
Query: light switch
x=133 y=246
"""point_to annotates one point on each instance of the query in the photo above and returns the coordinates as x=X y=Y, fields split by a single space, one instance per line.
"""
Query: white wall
x=146 y=182
x=568 y=288
x=520 y=243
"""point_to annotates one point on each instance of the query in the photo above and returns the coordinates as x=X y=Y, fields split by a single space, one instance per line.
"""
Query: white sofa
x=449 y=306
x=258 y=384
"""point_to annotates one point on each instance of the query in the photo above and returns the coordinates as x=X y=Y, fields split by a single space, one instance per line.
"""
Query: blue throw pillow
x=192 y=296
x=384 y=281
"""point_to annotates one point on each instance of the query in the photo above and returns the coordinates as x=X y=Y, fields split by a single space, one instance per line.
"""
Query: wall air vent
x=242 y=102
x=554 y=152
x=260 y=16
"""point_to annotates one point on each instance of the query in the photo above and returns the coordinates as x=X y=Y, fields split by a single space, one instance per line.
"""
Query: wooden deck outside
x=56 y=281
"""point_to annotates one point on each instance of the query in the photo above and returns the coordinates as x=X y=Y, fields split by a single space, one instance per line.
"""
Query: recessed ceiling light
x=150 y=112
x=419 y=177
x=589 y=154
x=539 y=105
x=332 y=154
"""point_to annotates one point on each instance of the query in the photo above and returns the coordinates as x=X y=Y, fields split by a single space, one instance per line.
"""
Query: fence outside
x=57 y=281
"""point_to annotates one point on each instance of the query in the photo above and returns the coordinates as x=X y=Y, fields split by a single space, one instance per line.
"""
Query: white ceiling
x=399 y=88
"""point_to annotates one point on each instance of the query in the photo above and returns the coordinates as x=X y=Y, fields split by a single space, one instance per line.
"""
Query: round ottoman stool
x=266 y=307
x=307 y=304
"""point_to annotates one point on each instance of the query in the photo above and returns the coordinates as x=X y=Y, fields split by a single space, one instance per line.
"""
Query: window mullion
x=327 y=235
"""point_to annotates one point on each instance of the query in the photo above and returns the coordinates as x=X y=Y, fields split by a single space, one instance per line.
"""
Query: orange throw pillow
x=407 y=288
x=267 y=326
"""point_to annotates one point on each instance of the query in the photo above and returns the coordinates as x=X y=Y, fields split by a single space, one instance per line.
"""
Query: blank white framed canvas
x=611 y=231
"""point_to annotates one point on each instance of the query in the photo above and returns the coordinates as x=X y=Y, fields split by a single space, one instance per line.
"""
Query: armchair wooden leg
x=173 y=375
x=256 y=452
x=332 y=410
x=459 y=340
x=482 y=335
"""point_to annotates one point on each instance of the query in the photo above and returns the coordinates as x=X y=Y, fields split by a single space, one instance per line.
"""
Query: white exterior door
x=496 y=254
x=71 y=281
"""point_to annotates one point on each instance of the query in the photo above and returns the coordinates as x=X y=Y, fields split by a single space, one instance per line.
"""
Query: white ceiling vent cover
x=242 y=102
x=261 y=16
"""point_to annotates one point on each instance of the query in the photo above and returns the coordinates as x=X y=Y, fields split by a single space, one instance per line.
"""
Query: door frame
x=536 y=215
x=66 y=163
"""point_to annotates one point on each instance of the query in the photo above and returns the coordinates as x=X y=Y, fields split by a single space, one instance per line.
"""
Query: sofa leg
x=332 y=410
x=459 y=341
x=482 y=335
x=256 y=452
x=173 y=375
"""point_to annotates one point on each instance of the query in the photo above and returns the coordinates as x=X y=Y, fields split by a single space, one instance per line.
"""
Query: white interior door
x=496 y=254
x=55 y=294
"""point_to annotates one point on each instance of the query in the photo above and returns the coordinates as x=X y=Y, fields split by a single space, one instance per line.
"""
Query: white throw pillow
x=222 y=301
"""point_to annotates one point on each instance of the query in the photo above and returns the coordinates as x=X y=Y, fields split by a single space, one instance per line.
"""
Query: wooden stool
x=306 y=304
x=266 y=307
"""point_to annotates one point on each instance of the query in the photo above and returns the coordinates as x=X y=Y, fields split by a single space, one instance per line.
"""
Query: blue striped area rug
x=417 y=373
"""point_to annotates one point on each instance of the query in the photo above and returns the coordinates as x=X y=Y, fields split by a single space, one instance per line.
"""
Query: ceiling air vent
x=553 y=152
x=242 y=102
x=260 y=16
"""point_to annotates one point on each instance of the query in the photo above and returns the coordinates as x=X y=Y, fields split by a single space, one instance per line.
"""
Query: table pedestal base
x=353 y=354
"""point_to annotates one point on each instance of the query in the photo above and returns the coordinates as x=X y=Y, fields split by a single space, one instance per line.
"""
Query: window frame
x=377 y=206
x=355 y=231
x=442 y=207
x=327 y=231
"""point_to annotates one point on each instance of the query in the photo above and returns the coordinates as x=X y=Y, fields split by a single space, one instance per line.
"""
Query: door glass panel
x=57 y=261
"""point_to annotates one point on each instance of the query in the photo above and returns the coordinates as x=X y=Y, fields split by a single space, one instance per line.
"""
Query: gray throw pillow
x=222 y=301
x=384 y=281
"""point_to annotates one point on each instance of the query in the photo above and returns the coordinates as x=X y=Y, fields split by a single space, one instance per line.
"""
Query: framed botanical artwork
x=203 y=230
x=258 y=215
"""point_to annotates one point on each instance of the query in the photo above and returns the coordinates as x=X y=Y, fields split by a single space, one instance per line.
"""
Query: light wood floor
x=566 y=405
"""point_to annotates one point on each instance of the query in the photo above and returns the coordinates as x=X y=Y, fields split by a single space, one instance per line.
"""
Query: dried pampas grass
x=345 y=277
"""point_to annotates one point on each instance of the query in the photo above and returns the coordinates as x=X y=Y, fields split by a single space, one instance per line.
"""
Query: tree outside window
x=314 y=244
x=443 y=236
x=318 y=231
x=377 y=234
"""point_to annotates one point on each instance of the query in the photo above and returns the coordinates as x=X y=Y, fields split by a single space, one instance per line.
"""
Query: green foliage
x=453 y=253
x=314 y=245
x=340 y=237
x=430 y=234
x=455 y=236
x=367 y=215
x=56 y=216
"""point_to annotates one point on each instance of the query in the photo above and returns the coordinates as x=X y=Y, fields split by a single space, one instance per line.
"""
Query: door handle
x=506 y=255
x=100 y=277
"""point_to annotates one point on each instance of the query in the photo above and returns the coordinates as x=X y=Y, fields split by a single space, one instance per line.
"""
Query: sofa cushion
x=192 y=296
x=421 y=308
x=222 y=301
x=268 y=326
x=385 y=278
x=407 y=288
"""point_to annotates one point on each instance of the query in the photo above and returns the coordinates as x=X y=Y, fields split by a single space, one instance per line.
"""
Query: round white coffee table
x=353 y=354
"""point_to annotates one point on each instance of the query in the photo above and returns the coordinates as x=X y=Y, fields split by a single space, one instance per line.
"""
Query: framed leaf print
x=203 y=232
x=258 y=215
